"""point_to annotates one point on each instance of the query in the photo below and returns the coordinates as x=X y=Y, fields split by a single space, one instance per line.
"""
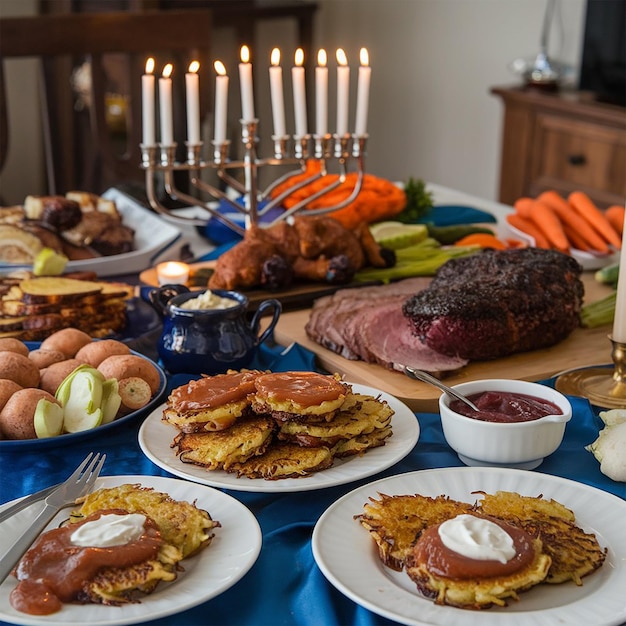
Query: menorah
x=343 y=150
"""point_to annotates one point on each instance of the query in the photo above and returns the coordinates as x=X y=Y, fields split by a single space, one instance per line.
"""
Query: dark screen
x=603 y=68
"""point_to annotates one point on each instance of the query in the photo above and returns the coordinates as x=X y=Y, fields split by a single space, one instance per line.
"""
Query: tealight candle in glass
x=172 y=273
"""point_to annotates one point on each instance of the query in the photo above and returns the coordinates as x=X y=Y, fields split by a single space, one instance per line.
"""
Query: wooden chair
x=91 y=149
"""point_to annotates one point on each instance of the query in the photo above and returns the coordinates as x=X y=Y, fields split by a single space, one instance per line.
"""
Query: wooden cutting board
x=583 y=347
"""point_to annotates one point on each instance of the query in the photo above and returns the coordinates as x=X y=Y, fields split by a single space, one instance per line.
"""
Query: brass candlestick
x=604 y=387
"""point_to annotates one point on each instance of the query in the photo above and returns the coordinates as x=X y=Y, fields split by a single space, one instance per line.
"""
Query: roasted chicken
x=310 y=248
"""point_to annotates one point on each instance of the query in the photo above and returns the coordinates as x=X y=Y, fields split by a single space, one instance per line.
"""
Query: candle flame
x=342 y=59
x=194 y=66
x=364 y=57
x=149 y=65
x=275 y=57
x=167 y=70
x=299 y=57
x=321 y=57
x=245 y=54
x=219 y=68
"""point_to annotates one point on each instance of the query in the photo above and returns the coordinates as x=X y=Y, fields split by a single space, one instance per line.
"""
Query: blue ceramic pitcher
x=209 y=341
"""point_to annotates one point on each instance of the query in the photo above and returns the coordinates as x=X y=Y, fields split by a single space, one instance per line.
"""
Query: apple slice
x=48 y=419
x=81 y=396
x=111 y=400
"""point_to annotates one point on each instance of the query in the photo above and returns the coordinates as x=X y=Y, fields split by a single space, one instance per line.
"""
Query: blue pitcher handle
x=256 y=318
x=161 y=296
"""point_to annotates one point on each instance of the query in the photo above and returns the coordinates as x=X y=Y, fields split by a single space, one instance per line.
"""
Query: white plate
x=155 y=438
x=587 y=260
x=154 y=239
x=347 y=556
x=232 y=552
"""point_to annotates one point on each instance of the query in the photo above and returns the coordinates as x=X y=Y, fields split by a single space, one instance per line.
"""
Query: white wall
x=433 y=62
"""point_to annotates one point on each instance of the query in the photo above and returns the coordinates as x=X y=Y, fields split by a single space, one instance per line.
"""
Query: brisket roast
x=498 y=302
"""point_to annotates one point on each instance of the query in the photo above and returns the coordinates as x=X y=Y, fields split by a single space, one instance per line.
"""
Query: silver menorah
x=345 y=152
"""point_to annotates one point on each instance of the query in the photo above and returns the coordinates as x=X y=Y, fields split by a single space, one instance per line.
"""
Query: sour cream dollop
x=477 y=538
x=208 y=300
x=109 y=530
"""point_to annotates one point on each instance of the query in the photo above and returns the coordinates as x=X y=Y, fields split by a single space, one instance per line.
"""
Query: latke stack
x=273 y=425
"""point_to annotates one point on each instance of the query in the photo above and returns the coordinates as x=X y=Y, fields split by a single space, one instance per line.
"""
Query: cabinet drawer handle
x=576 y=159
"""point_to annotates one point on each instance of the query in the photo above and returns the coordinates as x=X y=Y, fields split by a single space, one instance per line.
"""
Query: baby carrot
x=522 y=206
x=484 y=240
x=585 y=206
x=528 y=227
x=586 y=237
x=575 y=238
x=615 y=215
x=549 y=223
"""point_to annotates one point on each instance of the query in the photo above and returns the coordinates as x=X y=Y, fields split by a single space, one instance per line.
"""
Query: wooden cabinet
x=562 y=141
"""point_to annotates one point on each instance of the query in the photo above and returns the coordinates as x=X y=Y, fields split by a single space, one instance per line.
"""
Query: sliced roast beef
x=367 y=324
x=390 y=341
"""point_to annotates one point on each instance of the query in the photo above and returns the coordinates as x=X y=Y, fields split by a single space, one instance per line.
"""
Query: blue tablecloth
x=285 y=585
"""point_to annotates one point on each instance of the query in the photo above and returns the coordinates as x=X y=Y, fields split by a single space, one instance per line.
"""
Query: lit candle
x=172 y=273
x=192 y=85
x=245 y=79
x=165 y=106
x=343 y=89
x=221 y=102
x=299 y=94
x=321 y=94
x=147 y=101
x=619 y=323
x=276 y=89
x=363 y=94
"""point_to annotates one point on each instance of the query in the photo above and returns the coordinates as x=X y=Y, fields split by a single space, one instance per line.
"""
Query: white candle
x=192 y=86
x=172 y=273
x=276 y=91
x=165 y=106
x=221 y=102
x=619 y=323
x=363 y=94
x=147 y=104
x=343 y=90
x=245 y=80
x=321 y=94
x=299 y=94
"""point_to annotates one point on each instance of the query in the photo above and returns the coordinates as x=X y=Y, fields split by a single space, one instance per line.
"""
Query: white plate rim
x=232 y=552
x=155 y=438
x=347 y=556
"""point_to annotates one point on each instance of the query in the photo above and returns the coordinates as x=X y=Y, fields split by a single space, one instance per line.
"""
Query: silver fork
x=77 y=485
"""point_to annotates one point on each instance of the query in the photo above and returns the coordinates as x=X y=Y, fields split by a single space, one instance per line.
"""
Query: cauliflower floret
x=610 y=446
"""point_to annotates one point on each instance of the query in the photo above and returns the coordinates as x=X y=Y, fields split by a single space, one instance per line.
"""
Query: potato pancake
x=223 y=448
x=185 y=530
x=359 y=415
x=574 y=553
x=285 y=460
x=397 y=522
x=562 y=551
